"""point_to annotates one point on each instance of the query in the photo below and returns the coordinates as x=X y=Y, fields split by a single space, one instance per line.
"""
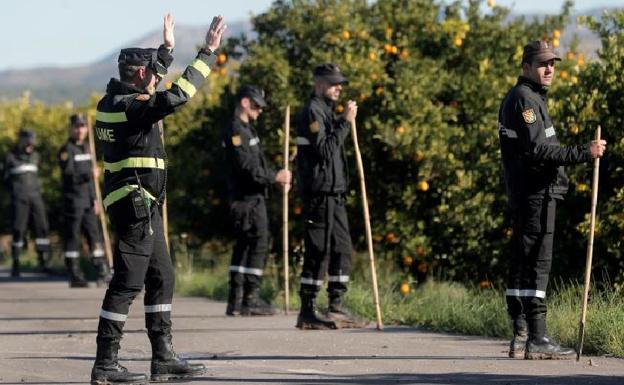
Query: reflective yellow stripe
x=186 y=86
x=111 y=117
x=135 y=163
x=201 y=67
x=122 y=192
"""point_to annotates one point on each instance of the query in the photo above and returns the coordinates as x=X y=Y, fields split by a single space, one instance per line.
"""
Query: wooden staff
x=369 y=235
x=165 y=215
x=108 y=251
x=590 y=252
x=285 y=210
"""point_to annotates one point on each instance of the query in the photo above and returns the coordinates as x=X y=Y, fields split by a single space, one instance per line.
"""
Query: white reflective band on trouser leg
x=300 y=140
x=18 y=244
x=72 y=254
x=113 y=316
x=157 y=308
x=246 y=270
x=42 y=241
x=525 y=293
x=338 y=278
x=310 y=281
x=98 y=253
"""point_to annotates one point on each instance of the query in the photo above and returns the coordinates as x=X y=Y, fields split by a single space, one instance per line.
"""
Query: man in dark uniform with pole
x=322 y=174
x=535 y=179
x=21 y=169
x=80 y=205
x=249 y=178
x=134 y=186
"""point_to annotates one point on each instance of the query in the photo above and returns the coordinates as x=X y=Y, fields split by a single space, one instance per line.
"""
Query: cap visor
x=260 y=102
x=335 y=79
x=546 y=56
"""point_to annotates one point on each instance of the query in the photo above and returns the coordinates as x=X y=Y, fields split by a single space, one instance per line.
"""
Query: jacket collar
x=535 y=87
x=117 y=87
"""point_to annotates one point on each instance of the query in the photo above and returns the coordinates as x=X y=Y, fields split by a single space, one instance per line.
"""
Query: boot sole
x=176 y=377
x=517 y=354
x=307 y=326
x=546 y=356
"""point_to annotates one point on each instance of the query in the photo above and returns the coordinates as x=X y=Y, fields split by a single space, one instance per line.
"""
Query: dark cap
x=77 y=120
x=539 y=51
x=25 y=138
x=149 y=57
x=252 y=92
x=330 y=73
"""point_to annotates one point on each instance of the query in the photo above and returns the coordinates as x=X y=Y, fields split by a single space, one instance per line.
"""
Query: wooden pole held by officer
x=285 y=210
x=165 y=214
x=590 y=252
x=367 y=225
x=108 y=251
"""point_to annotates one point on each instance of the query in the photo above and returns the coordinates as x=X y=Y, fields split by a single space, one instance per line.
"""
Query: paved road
x=47 y=336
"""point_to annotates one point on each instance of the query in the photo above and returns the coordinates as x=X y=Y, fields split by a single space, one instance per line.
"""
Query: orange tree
x=429 y=78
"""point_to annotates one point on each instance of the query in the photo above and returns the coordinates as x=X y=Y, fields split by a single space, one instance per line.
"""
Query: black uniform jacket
x=321 y=160
x=533 y=158
x=127 y=126
x=77 y=168
x=248 y=170
x=21 y=174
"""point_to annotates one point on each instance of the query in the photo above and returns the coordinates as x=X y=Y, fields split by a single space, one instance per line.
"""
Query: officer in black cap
x=249 y=179
x=322 y=174
x=135 y=177
x=535 y=179
x=80 y=205
x=21 y=167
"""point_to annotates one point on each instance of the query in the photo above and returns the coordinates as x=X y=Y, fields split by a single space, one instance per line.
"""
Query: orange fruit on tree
x=574 y=130
x=372 y=56
x=405 y=288
x=458 y=42
x=422 y=268
x=346 y=35
x=379 y=90
x=400 y=130
x=418 y=156
x=574 y=79
x=420 y=251
x=423 y=185
x=391 y=238
x=388 y=48
x=556 y=34
x=297 y=210
x=339 y=109
x=394 y=50
x=581 y=187
x=404 y=54
x=222 y=71
x=491 y=3
x=570 y=56
x=373 y=76
x=563 y=74
x=408 y=261
x=222 y=58
x=555 y=42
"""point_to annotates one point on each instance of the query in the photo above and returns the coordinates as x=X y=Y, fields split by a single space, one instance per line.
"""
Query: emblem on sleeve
x=314 y=127
x=236 y=140
x=529 y=116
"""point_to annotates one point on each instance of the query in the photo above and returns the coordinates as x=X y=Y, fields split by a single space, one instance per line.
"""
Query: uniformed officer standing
x=533 y=161
x=21 y=175
x=80 y=205
x=249 y=177
x=322 y=173
x=134 y=182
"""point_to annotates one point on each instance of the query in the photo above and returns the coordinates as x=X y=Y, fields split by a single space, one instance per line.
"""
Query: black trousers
x=29 y=209
x=139 y=259
x=327 y=245
x=251 y=225
x=531 y=258
x=79 y=220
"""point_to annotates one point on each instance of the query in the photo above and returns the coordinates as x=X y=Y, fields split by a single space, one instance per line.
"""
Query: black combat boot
x=44 y=261
x=338 y=313
x=166 y=365
x=15 y=270
x=519 y=340
x=235 y=297
x=107 y=370
x=76 y=278
x=540 y=347
x=308 y=315
x=104 y=275
x=253 y=305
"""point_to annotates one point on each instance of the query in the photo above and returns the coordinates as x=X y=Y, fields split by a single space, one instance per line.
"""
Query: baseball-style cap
x=252 y=92
x=77 y=120
x=151 y=58
x=539 y=51
x=330 y=73
x=26 y=137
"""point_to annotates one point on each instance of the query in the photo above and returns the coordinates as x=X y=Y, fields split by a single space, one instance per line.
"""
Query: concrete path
x=47 y=336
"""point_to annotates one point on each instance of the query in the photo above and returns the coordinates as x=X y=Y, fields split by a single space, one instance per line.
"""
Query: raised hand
x=168 y=26
x=215 y=32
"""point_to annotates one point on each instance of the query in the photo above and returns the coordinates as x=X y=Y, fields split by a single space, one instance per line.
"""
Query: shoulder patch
x=529 y=116
x=64 y=156
x=143 y=97
x=314 y=127
x=236 y=140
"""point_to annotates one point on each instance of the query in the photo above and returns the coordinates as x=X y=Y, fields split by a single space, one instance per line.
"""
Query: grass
x=443 y=306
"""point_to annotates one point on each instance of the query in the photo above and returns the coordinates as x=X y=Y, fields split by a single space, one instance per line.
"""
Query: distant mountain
x=55 y=84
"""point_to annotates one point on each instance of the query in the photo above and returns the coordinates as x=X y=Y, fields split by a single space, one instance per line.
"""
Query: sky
x=35 y=33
